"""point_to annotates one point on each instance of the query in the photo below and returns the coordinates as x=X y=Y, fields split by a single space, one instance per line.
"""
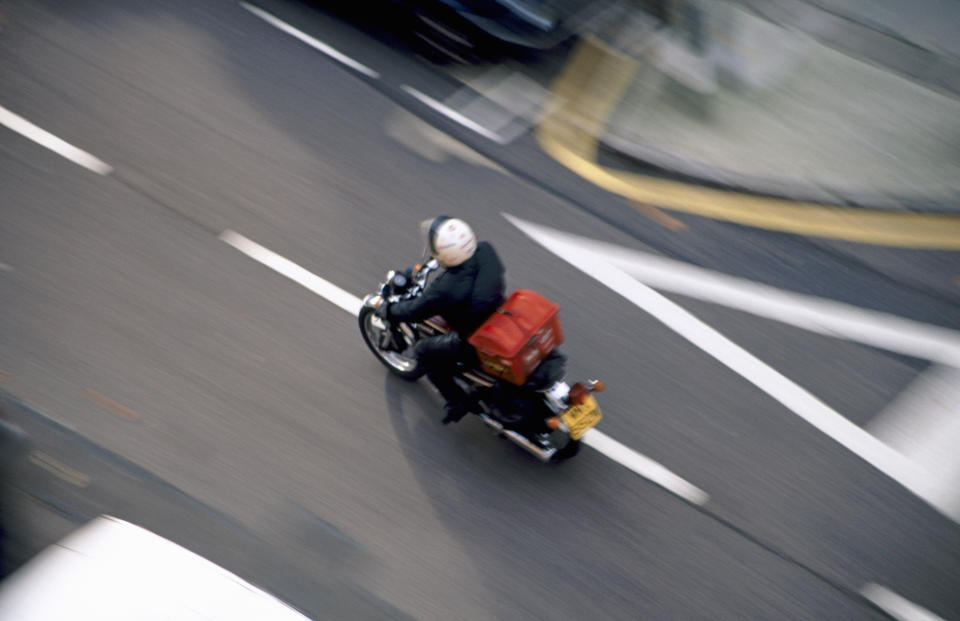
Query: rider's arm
x=431 y=302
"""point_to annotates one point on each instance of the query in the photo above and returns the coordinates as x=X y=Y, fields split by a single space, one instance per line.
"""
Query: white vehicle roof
x=111 y=570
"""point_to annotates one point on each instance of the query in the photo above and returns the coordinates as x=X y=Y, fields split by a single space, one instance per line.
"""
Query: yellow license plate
x=580 y=418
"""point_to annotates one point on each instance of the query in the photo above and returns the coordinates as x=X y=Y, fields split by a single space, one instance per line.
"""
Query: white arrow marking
x=923 y=424
x=812 y=313
x=895 y=605
x=794 y=397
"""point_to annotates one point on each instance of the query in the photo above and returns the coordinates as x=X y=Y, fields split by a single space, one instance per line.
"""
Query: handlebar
x=409 y=282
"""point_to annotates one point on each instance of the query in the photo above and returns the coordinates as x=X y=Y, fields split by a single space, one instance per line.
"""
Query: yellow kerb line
x=588 y=91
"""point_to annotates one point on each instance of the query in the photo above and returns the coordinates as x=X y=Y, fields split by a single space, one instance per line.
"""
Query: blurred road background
x=164 y=377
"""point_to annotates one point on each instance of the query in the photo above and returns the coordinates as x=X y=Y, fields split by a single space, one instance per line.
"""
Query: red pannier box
x=521 y=333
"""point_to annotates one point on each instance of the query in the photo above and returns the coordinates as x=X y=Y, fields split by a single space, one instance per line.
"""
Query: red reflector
x=578 y=394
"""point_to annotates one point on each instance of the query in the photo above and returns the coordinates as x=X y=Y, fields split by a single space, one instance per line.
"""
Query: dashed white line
x=294 y=272
x=644 y=466
x=896 y=606
x=640 y=464
x=42 y=137
x=794 y=397
x=312 y=42
x=432 y=103
x=453 y=115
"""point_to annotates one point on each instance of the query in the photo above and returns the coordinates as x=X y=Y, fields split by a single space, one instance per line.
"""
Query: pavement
x=834 y=102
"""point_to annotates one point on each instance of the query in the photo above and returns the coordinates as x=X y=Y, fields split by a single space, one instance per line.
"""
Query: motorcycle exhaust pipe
x=543 y=455
x=491 y=422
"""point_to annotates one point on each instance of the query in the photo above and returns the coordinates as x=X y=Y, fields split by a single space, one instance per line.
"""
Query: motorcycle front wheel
x=403 y=366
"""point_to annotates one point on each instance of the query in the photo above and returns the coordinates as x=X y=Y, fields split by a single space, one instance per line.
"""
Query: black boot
x=453 y=412
x=458 y=404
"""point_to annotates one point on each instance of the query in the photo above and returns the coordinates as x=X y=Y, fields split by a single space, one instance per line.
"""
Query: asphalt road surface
x=175 y=381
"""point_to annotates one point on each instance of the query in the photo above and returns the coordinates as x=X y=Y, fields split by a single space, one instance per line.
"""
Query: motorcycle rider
x=468 y=291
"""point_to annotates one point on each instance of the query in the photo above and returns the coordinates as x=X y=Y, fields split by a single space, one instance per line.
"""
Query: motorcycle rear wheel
x=570 y=449
x=402 y=366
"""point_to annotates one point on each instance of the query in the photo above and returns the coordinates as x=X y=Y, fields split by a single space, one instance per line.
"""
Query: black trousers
x=440 y=355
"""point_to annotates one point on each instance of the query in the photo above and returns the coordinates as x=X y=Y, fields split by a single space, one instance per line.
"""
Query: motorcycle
x=544 y=416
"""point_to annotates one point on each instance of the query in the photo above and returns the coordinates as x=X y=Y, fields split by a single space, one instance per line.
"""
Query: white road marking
x=913 y=477
x=923 y=424
x=453 y=115
x=812 y=313
x=644 y=466
x=312 y=42
x=294 y=272
x=606 y=445
x=505 y=102
x=896 y=606
x=42 y=137
x=432 y=144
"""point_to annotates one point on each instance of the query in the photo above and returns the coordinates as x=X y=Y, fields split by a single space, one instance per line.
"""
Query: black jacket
x=464 y=295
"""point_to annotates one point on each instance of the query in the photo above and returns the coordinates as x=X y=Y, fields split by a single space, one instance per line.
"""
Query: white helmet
x=451 y=241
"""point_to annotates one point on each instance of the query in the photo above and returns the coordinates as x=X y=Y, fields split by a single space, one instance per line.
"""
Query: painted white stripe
x=453 y=115
x=923 y=424
x=812 y=313
x=294 y=272
x=312 y=42
x=644 y=466
x=26 y=128
x=896 y=606
x=606 y=445
x=767 y=379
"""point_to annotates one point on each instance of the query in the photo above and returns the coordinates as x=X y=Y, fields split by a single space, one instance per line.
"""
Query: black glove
x=383 y=311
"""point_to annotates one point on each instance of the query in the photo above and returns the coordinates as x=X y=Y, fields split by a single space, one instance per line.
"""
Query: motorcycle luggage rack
x=480 y=378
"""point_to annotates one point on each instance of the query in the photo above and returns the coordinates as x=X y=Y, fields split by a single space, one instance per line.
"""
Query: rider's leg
x=440 y=354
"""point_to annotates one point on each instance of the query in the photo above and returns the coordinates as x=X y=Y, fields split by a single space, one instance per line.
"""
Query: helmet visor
x=425 y=234
x=428 y=229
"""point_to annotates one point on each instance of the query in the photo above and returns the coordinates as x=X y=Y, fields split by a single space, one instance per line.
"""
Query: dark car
x=470 y=28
